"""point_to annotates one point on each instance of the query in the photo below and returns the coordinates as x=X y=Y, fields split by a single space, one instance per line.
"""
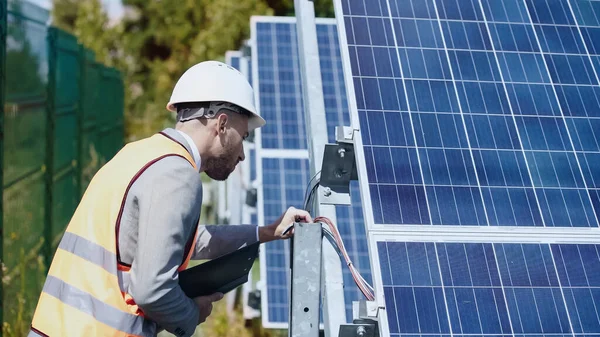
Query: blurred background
x=86 y=77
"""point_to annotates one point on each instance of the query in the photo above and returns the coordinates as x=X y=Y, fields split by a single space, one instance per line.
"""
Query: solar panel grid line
x=461 y=113
x=525 y=234
x=562 y=292
x=560 y=108
x=511 y=109
x=410 y=119
x=443 y=293
x=484 y=205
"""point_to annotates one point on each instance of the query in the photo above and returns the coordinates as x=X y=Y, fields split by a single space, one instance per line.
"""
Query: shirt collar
x=195 y=153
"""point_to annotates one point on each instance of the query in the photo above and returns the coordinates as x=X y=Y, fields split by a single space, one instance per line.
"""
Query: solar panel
x=475 y=112
x=475 y=116
x=282 y=155
x=484 y=288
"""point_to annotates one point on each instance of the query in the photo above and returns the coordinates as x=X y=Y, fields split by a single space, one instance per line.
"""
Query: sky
x=114 y=8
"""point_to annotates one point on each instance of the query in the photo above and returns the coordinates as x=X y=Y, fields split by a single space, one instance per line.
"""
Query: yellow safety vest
x=85 y=290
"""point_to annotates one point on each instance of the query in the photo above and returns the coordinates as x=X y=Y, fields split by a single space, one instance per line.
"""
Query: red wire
x=355 y=275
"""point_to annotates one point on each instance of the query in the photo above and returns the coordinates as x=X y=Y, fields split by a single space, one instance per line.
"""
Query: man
x=115 y=272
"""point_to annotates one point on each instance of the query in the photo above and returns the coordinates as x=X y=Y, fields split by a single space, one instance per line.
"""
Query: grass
x=23 y=264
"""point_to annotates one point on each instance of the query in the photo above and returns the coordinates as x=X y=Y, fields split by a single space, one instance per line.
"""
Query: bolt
x=342 y=152
x=327 y=191
x=361 y=331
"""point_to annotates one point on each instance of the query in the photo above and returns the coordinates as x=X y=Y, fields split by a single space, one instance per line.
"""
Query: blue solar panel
x=490 y=288
x=477 y=113
x=284 y=183
x=278 y=83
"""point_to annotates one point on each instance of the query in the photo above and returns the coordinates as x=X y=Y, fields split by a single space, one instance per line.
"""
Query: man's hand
x=205 y=306
x=277 y=230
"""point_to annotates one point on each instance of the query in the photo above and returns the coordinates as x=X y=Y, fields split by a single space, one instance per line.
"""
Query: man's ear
x=222 y=121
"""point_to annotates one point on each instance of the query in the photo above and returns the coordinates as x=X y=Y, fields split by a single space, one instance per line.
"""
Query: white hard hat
x=212 y=81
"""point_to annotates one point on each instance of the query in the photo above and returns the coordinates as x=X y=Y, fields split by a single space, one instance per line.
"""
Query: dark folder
x=222 y=274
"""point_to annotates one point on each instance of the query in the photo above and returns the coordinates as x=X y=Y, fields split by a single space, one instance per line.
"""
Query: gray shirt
x=162 y=210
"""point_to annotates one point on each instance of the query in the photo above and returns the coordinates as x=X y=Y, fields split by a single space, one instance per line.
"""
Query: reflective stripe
x=95 y=254
x=90 y=251
x=101 y=311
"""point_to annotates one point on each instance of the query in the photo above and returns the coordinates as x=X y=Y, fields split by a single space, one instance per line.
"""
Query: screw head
x=361 y=331
x=327 y=191
x=342 y=152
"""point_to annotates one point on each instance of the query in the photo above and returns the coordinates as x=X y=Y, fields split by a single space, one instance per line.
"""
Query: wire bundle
x=362 y=284
x=331 y=231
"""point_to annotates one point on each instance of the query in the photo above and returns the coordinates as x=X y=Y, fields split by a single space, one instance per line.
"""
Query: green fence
x=63 y=119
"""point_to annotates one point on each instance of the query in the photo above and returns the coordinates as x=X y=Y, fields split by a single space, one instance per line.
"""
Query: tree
x=64 y=14
x=93 y=30
x=88 y=21
x=323 y=8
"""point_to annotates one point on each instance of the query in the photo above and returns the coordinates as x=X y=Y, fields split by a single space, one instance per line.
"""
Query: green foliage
x=64 y=14
x=92 y=29
x=87 y=20
x=323 y=8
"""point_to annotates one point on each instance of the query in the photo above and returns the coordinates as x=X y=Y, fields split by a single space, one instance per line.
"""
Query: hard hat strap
x=206 y=109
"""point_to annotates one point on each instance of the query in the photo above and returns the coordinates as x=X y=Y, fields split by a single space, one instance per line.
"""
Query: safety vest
x=85 y=293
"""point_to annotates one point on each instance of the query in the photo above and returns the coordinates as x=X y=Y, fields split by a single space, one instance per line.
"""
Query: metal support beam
x=305 y=268
x=334 y=313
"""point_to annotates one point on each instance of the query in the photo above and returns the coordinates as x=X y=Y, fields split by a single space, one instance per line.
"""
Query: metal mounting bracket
x=338 y=169
x=364 y=328
x=365 y=323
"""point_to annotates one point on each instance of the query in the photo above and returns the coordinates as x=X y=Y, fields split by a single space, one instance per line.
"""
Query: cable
x=335 y=238
x=310 y=191
x=333 y=234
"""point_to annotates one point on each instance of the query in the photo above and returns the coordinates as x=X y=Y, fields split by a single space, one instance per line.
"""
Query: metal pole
x=3 y=23
x=334 y=313
x=53 y=45
x=306 y=272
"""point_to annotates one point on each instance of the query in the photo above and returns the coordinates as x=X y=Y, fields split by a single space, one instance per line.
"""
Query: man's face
x=229 y=148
